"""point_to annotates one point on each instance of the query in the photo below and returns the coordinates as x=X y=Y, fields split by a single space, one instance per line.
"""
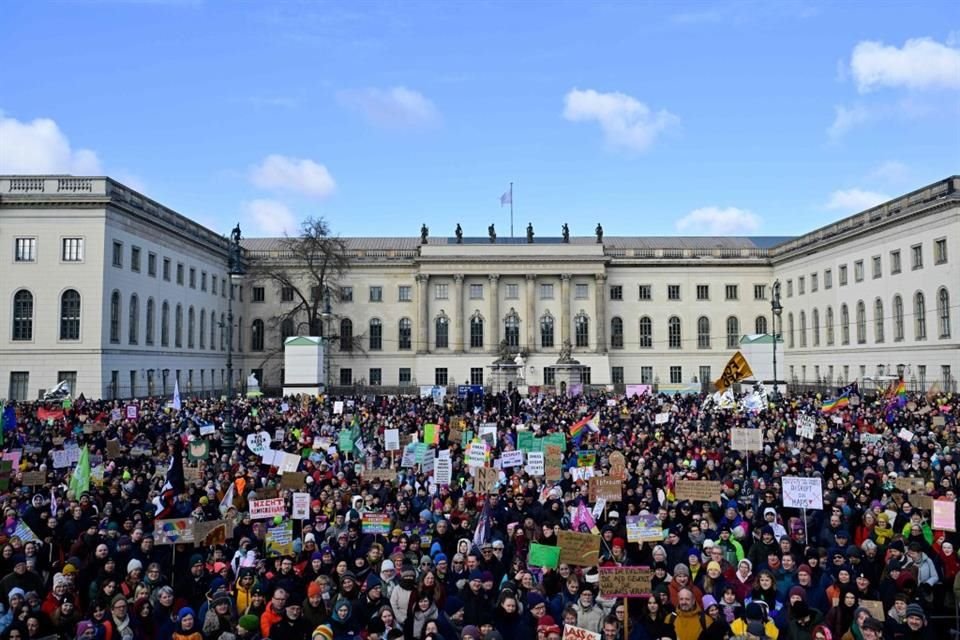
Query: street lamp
x=777 y=310
x=236 y=276
x=326 y=335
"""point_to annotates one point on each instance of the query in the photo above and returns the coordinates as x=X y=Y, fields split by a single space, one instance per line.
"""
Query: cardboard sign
x=173 y=531
x=541 y=555
x=939 y=421
x=910 y=484
x=512 y=459
x=581 y=549
x=746 y=439
x=553 y=462
x=391 y=439
x=279 y=540
x=384 y=475
x=618 y=466
x=944 y=515
x=133 y=412
x=802 y=493
x=301 y=506
x=875 y=607
x=644 y=528
x=213 y=532
x=698 y=490
x=625 y=582
x=485 y=479
x=269 y=508
x=293 y=480
x=571 y=632
x=607 y=488
x=922 y=502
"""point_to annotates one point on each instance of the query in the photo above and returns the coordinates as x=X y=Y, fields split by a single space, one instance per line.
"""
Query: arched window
x=23 y=315
x=346 y=334
x=878 y=320
x=404 y=339
x=133 y=322
x=286 y=330
x=943 y=312
x=674 y=337
x=815 y=326
x=115 y=317
x=760 y=325
x=733 y=332
x=376 y=335
x=703 y=332
x=191 y=327
x=441 y=332
x=616 y=333
x=511 y=329
x=256 y=335
x=203 y=328
x=178 y=326
x=70 y=315
x=476 y=331
x=151 y=310
x=646 y=333
x=920 y=316
x=213 y=329
x=897 y=318
x=844 y=324
x=223 y=332
x=165 y=324
x=830 y=334
x=803 y=329
x=861 y=322
x=790 y=342
x=581 y=330
x=546 y=331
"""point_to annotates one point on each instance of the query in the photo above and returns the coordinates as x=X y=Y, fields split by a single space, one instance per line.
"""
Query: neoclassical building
x=122 y=296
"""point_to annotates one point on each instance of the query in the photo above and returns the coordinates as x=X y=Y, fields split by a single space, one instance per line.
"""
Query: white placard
x=207 y=430
x=905 y=434
x=807 y=427
x=338 y=407
x=443 y=471
x=409 y=457
x=391 y=439
x=476 y=454
x=512 y=459
x=61 y=459
x=287 y=462
x=582 y=473
x=301 y=506
x=444 y=454
x=258 y=442
x=837 y=420
x=535 y=466
x=284 y=407
x=746 y=439
x=661 y=418
x=279 y=435
x=598 y=507
x=802 y=493
x=429 y=462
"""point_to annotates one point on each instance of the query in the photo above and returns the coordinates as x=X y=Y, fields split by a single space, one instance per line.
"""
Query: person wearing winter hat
x=323 y=632
x=470 y=632
x=187 y=625
x=86 y=630
x=916 y=617
x=248 y=627
x=388 y=576
x=401 y=593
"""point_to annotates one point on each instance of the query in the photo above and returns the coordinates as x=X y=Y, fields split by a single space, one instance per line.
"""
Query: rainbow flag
x=578 y=428
x=835 y=404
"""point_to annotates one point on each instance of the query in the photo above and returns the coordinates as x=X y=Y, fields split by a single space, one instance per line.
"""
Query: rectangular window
x=259 y=294
x=703 y=292
x=945 y=376
x=843 y=275
x=581 y=291
x=135 y=259
x=585 y=375
x=789 y=288
x=286 y=294
x=895 y=266
x=25 y=250
x=152 y=264
x=676 y=375
x=404 y=375
x=759 y=292
x=940 y=251
x=70 y=377
x=346 y=294
x=180 y=273
x=346 y=376
x=440 y=376
x=616 y=292
x=646 y=292
x=673 y=292
x=877 y=267
x=549 y=376
x=117 y=254
x=732 y=292
x=213 y=285
x=916 y=253
x=476 y=292
x=646 y=375
x=814 y=282
x=376 y=294
x=828 y=279
x=166 y=269
x=72 y=250
x=405 y=293
x=512 y=292
x=616 y=374
x=546 y=291
x=19 y=386
x=705 y=377
x=441 y=291
x=801 y=285
x=476 y=375
x=376 y=376
x=203 y=281
x=193 y=278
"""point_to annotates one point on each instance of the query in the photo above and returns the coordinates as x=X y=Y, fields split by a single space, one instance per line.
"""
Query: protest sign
x=638 y=390
x=24 y=532
x=61 y=459
x=581 y=549
x=598 y=507
x=644 y=528
x=269 y=508
x=922 y=502
x=443 y=471
x=541 y=555
x=698 y=490
x=338 y=407
x=207 y=430
x=293 y=480
x=535 y=463
x=133 y=412
x=802 y=493
x=431 y=434
x=587 y=458
x=661 y=418
x=909 y=484
x=746 y=439
x=525 y=441
x=485 y=479
x=258 y=442
x=512 y=459
x=807 y=427
x=301 y=506
x=213 y=532
x=571 y=632
x=173 y=531
x=476 y=455
x=375 y=523
x=553 y=463
x=905 y=434
x=607 y=488
x=198 y=450
x=391 y=439
x=939 y=421
x=625 y=582
x=875 y=607
x=944 y=515
x=384 y=475
x=409 y=457
x=618 y=469
x=279 y=540
x=33 y=478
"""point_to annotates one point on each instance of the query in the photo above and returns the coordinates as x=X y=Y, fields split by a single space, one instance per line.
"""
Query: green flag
x=80 y=482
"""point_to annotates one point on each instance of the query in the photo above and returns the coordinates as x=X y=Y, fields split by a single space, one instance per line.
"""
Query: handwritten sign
x=269 y=508
x=607 y=488
x=384 y=475
x=581 y=549
x=476 y=454
x=213 y=532
x=802 y=493
x=553 y=462
x=807 y=426
x=535 y=463
x=571 y=632
x=875 y=607
x=910 y=484
x=625 y=582
x=293 y=480
x=133 y=412
x=698 y=490
x=512 y=459
x=443 y=471
x=944 y=515
x=258 y=442
x=618 y=469
x=173 y=531
x=301 y=506
x=391 y=439
x=746 y=439
x=33 y=478
x=486 y=479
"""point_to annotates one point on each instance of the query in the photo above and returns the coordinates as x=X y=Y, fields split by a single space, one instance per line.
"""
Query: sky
x=652 y=118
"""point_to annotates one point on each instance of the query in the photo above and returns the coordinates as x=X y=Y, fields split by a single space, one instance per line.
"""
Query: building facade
x=134 y=294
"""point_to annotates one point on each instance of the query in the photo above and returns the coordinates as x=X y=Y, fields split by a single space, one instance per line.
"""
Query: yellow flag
x=735 y=371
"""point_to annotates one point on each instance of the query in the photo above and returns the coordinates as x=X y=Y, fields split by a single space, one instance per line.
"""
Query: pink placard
x=944 y=515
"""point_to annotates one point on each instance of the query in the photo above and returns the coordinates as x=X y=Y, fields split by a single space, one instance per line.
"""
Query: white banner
x=260 y=509
x=301 y=506
x=807 y=427
x=476 y=454
x=391 y=439
x=746 y=439
x=512 y=459
x=802 y=493
x=535 y=466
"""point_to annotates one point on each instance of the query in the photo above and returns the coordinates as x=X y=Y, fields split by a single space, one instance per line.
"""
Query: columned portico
x=531 y=314
x=423 y=315
x=494 y=321
x=458 y=313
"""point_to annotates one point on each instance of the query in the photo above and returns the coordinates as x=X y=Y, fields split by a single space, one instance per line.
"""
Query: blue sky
x=765 y=118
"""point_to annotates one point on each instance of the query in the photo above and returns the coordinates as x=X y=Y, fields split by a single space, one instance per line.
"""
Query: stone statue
x=529 y=233
x=599 y=231
x=253 y=384
x=503 y=351
x=566 y=352
x=424 y=232
x=492 y=233
x=459 y=233
x=565 y=230
x=521 y=367
x=235 y=235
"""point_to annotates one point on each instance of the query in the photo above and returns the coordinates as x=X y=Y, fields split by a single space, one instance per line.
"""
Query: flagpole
x=511 y=209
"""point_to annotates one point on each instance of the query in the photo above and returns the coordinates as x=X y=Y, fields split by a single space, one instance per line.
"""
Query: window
x=203 y=330
x=166 y=269
x=676 y=375
x=916 y=253
x=616 y=375
x=72 y=250
x=703 y=332
x=476 y=332
x=829 y=323
x=585 y=375
x=843 y=275
x=404 y=337
x=878 y=320
x=25 y=250
x=223 y=337
x=616 y=292
x=133 y=320
x=115 y=317
x=790 y=341
x=346 y=376
x=203 y=285
x=376 y=335
x=705 y=377
x=897 y=318
x=213 y=285
x=346 y=334
x=23 y=315
x=673 y=292
x=259 y=294
x=346 y=294
x=646 y=333
x=512 y=291
x=476 y=375
x=815 y=325
x=117 y=254
x=945 y=376
x=286 y=293
x=404 y=293
x=732 y=292
x=581 y=329
x=844 y=324
x=920 y=316
x=616 y=333
x=178 y=327
x=673 y=333
x=789 y=288
x=442 y=332
x=441 y=291
x=546 y=291
x=70 y=315
x=148 y=334
x=376 y=376
x=165 y=325
x=180 y=273
x=213 y=333
x=19 y=386
x=376 y=294
x=760 y=325
x=861 y=322
x=152 y=264
x=403 y=375
x=646 y=375
x=581 y=291
x=803 y=329
x=476 y=292
x=940 y=251
x=546 y=332
x=759 y=292
x=70 y=377
x=135 y=259
x=877 y=267
x=943 y=312
x=801 y=285
x=511 y=329
x=286 y=331
x=256 y=335
x=733 y=332
x=440 y=376
x=814 y=282
x=828 y=279
x=703 y=292
x=646 y=292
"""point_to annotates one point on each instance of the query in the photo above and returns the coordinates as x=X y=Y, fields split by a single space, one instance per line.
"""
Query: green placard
x=346 y=441
x=467 y=438
x=420 y=450
x=430 y=434
x=556 y=439
x=587 y=458
x=525 y=441
x=545 y=556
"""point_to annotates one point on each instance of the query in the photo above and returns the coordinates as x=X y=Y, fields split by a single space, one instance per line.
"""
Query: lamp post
x=777 y=310
x=236 y=275
x=326 y=335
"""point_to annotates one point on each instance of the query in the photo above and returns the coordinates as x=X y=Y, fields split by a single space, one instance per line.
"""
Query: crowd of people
x=83 y=555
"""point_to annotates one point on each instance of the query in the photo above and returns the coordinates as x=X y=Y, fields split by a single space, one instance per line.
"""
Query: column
x=531 y=314
x=493 y=322
x=601 y=302
x=423 y=320
x=565 y=309
x=458 y=313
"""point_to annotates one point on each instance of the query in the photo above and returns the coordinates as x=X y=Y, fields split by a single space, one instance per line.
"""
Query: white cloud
x=719 y=221
x=626 y=122
x=922 y=63
x=393 y=108
x=41 y=147
x=891 y=172
x=299 y=175
x=846 y=118
x=855 y=200
x=270 y=217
